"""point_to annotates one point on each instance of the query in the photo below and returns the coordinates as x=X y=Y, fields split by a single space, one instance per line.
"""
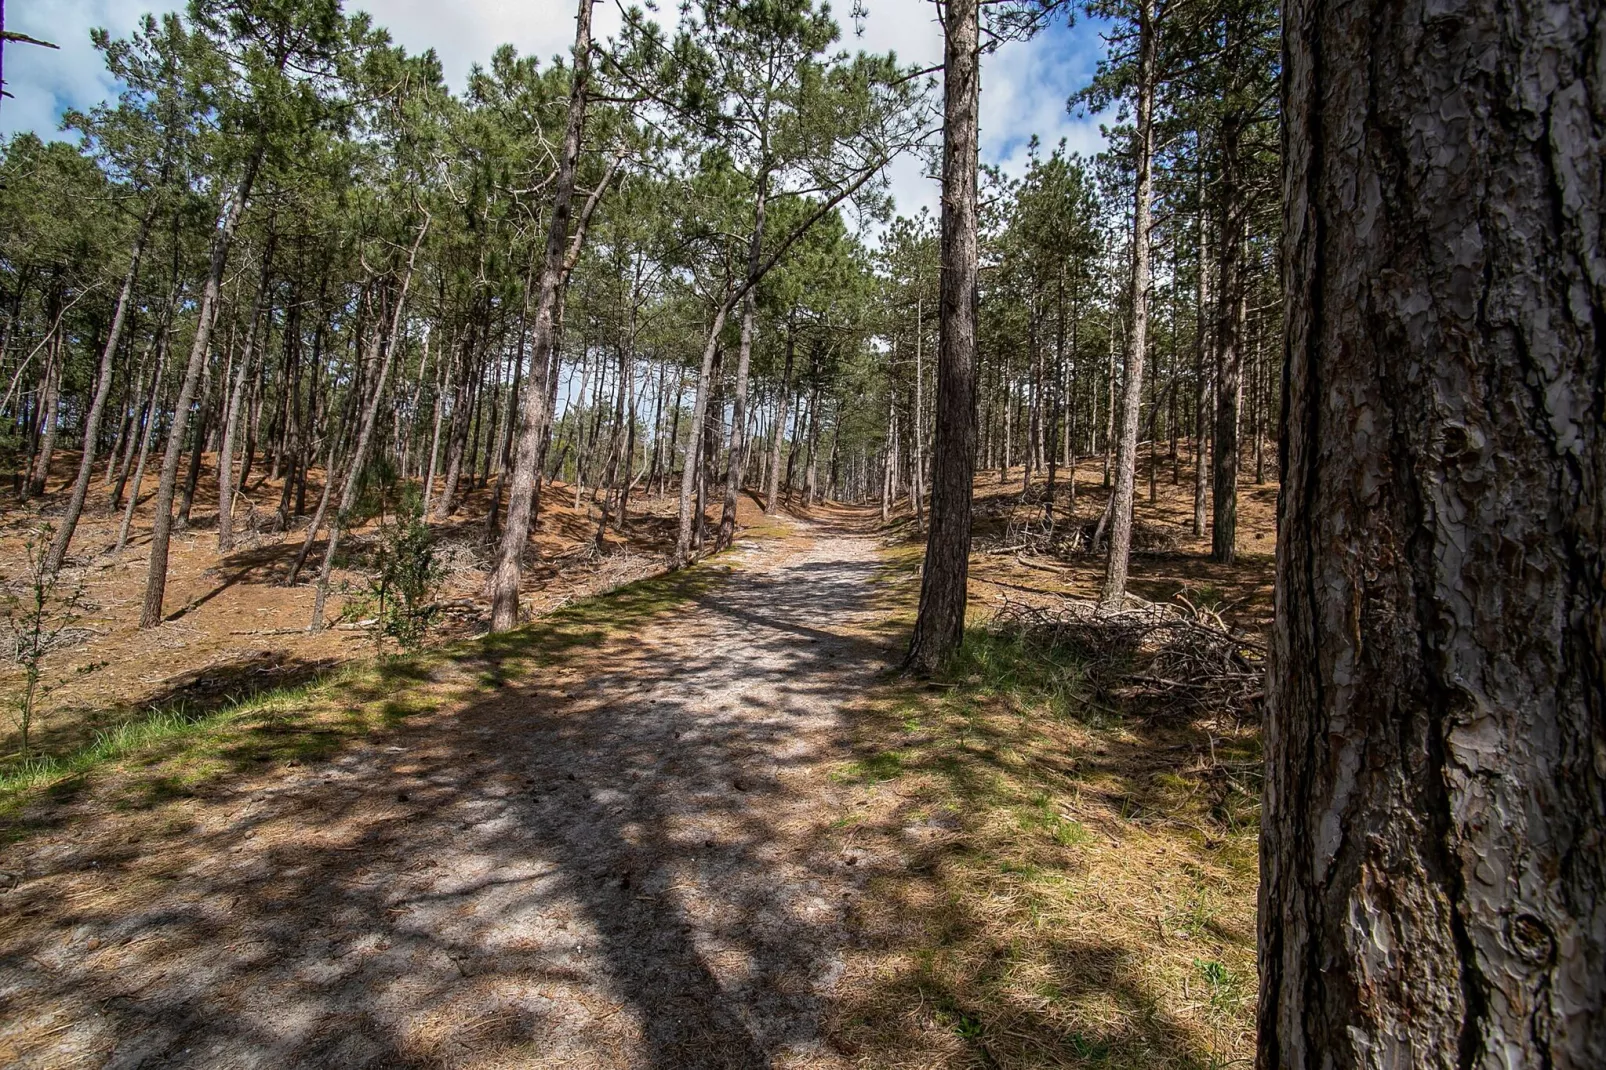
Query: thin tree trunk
x=162 y=524
x=1113 y=593
x=390 y=340
x=50 y=416
x=1202 y=363
x=744 y=357
x=103 y=385
x=234 y=402
x=144 y=406
x=162 y=527
x=444 y=375
x=147 y=433
x=1229 y=343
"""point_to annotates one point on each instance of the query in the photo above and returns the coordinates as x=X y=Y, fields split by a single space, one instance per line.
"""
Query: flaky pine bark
x=162 y=526
x=534 y=414
x=940 y=625
x=1434 y=825
x=1137 y=338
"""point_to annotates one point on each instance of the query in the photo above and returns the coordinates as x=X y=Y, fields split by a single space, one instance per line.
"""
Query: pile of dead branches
x=1150 y=657
x=1071 y=536
x=460 y=552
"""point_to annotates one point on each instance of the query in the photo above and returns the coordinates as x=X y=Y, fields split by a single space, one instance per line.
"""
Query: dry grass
x=234 y=631
x=1059 y=885
x=1065 y=871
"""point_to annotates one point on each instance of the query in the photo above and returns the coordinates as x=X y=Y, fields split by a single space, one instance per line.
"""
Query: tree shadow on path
x=600 y=843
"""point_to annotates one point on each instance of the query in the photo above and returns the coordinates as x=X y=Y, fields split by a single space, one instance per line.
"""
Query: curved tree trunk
x=97 y=406
x=1434 y=823
x=162 y=526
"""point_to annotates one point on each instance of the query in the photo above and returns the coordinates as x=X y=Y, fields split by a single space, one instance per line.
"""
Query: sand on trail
x=623 y=861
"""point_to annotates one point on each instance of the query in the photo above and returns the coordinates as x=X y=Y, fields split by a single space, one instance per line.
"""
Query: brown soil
x=1167 y=559
x=710 y=834
x=621 y=861
x=233 y=630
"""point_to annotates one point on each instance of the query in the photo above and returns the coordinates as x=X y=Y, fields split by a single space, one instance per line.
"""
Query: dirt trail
x=625 y=861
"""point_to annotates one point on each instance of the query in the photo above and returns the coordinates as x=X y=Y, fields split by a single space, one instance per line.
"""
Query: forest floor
x=695 y=822
x=233 y=628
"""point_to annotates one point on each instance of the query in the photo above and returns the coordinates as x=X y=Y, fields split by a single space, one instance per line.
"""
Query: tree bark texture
x=940 y=624
x=1433 y=860
x=505 y=581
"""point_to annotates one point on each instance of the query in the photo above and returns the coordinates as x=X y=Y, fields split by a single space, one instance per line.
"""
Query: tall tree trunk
x=142 y=409
x=152 y=414
x=699 y=415
x=103 y=385
x=533 y=420
x=1056 y=414
x=443 y=376
x=234 y=401
x=1433 y=865
x=1126 y=451
x=203 y=429
x=917 y=458
x=49 y=414
x=940 y=624
x=744 y=357
x=1202 y=363
x=1109 y=405
x=1229 y=341
x=162 y=526
x=391 y=341
x=457 y=431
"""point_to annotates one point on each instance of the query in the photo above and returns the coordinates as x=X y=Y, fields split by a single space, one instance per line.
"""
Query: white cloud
x=1024 y=84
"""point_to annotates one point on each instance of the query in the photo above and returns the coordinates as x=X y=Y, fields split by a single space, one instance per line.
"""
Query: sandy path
x=623 y=862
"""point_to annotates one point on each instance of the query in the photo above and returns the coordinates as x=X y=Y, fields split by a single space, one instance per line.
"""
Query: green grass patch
x=174 y=752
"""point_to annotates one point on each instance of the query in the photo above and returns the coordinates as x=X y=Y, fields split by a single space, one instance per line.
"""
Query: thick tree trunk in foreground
x=533 y=419
x=940 y=626
x=1434 y=834
x=1137 y=339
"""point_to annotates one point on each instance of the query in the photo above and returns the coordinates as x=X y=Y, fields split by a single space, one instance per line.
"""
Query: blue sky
x=1024 y=84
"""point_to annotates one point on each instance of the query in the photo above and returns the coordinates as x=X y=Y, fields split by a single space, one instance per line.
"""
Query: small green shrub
x=401 y=591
